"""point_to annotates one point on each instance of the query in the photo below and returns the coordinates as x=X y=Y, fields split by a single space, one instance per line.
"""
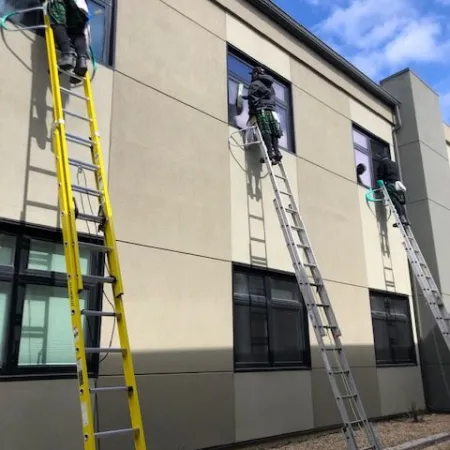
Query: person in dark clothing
x=389 y=173
x=69 y=20
x=261 y=105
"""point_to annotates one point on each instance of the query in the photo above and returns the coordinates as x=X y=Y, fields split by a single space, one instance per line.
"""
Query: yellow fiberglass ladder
x=69 y=217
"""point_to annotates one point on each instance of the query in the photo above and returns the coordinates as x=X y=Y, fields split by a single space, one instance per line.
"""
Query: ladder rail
x=331 y=331
x=114 y=268
x=70 y=236
x=421 y=270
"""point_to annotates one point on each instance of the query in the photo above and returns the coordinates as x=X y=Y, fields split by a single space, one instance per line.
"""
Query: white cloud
x=381 y=36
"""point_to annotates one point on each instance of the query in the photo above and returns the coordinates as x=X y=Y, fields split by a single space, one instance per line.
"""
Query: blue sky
x=381 y=37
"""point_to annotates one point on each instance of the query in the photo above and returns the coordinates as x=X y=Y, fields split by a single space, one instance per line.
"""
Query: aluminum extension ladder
x=421 y=271
x=69 y=216
x=320 y=312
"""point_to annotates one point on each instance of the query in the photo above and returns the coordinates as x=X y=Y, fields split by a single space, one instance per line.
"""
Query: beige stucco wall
x=28 y=188
x=182 y=200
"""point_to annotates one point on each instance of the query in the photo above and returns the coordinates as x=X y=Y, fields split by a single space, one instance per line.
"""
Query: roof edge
x=286 y=22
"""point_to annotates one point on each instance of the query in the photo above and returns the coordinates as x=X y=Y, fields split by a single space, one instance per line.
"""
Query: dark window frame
x=110 y=6
x=287 y=105
x=394 y=360
x=374 y=158
x=272 y=365
x=20 y=276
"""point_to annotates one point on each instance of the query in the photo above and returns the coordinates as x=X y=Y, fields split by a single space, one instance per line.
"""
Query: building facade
x=222 y=346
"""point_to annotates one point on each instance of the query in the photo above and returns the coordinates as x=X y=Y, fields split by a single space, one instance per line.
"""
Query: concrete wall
x=426 y=173
x=182 y=199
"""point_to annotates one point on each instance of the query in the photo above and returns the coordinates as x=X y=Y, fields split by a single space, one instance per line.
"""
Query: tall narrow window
x=270 y=322
x=239 y=71
x=36 y=336
x=392 y=329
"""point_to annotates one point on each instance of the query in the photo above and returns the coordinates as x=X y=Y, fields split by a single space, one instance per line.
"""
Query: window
x=270 y=321
x=239 y=69
x=101 y=16
x=368 y=152
x=392 y=330
x=35 y=327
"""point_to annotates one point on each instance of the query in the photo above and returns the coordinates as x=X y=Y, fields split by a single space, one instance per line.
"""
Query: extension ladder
x=69 y=216
x=320 y=312
x=421 y=271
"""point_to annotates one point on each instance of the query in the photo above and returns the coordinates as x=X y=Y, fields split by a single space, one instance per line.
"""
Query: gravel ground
x=391 y=433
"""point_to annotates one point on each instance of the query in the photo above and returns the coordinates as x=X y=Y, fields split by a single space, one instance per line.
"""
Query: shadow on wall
x=37 y=123
x=254 y=170
x=383 y=216
x=199 y=407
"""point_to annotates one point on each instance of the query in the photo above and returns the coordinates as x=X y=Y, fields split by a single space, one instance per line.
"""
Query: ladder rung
x=89 y=312
x=79 y=140
x=296 y=228
x=90 y=218
x=82 y=164
x=339 y=372
x=78 y=116
x=70 y=74
x=280 y=177
x=285 y=193
x=95 y=247
x=75 y=94
x=99 y=279
x=332 y=349
x=321 y=305
x=347 y=396
x=290 y=210
x=111 y=388
x=101 y=434
x=309 y=265
x=86 y=190
x=104 y=350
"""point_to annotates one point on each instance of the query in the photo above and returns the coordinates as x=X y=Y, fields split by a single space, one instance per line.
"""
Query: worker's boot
x=81 y=66
x=67 y=61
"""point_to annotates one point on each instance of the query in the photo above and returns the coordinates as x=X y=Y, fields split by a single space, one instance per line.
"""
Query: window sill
x=270 y=369
x=46 y=376
x=404 y=364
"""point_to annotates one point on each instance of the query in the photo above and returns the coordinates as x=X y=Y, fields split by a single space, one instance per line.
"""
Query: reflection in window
x=5 y=289
x=392 y=329
x=368 y=150
x=270 y=322
x=49 y=256
x=36 y=335
x=46 y=337
x=7 y=247
x=239 y=71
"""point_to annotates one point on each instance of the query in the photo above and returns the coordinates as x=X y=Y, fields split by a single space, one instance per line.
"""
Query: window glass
x=392 y=329
x=7 y=248
x=239 y=68
x=366 y=178
x=284 y=290
x=49 y=256
x=270 y=328
x=5 y=289
x=284 y=126
x=280 y=92
x=239 y=72
x=46 y=337
x=360 y=139
x=98 y=28
x=288 y=339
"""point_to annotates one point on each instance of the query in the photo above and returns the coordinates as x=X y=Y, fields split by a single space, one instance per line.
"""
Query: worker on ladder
x=70 y=23
x=389 y=173
x=262 y=110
